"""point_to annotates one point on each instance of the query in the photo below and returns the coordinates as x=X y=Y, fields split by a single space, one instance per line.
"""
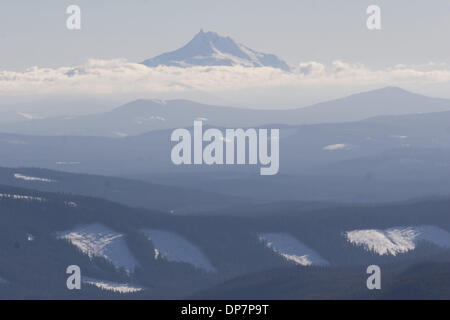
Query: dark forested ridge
x=429 y=279
x=133 y=193
x=35 y=268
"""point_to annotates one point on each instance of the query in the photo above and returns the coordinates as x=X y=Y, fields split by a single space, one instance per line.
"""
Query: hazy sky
x=41 y=58
x=413 y=31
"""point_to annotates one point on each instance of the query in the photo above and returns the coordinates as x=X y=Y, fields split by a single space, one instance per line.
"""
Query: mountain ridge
x=141 y=116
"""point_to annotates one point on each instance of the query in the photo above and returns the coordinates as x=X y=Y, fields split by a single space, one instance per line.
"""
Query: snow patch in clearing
x=159 y=101
x=397 y=240
x=173 y=247
x=70 y=204
x=67 y=162
x=14 y=141
x=96 y=240
x=20 y=197
x=159 y=118
x=143 y=120
x=29 y=116
x=338 y=146
x=291 y=249
x=28 y=178
x=113 y=286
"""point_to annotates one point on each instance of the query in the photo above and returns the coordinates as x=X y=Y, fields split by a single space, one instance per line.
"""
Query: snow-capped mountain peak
x=211 y=49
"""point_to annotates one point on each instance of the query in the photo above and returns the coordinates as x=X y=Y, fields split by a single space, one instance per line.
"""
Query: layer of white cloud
x=121 y=77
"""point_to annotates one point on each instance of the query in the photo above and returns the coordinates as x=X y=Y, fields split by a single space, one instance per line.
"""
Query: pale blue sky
x=33 y=33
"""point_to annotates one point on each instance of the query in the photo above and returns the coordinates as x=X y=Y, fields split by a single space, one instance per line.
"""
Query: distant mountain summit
x=211 y=49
